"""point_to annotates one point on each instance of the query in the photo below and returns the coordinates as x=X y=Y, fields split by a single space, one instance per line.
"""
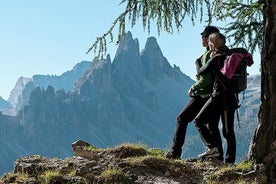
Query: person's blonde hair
x=217 y=39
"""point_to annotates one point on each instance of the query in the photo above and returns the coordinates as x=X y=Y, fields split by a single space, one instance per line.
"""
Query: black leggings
x=213 y=109
x=207 y=122
x=208 y=130
x=227 y=119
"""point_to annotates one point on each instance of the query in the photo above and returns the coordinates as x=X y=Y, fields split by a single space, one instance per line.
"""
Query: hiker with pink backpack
x=224 y=63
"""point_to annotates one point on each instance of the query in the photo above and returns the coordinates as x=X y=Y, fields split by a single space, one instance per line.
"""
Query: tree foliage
x=244 y=17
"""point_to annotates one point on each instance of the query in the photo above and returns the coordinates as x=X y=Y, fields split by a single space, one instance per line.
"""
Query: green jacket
x=204 y=85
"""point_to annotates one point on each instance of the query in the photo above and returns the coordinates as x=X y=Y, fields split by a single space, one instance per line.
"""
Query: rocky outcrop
x=96 y=80
x=17 y=90
x=127 y=164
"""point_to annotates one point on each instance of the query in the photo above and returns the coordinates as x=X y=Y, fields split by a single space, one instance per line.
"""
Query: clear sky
x=51 y=36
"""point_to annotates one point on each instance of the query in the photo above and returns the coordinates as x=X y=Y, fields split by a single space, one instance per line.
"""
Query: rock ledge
x=127 y=164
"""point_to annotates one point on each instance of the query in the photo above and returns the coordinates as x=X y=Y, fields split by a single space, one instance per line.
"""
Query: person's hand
x=190 y=92
x=200 y=57
x=197 y=77
x=198 y=62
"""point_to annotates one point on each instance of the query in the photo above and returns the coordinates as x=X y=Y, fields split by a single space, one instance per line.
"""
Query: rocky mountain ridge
x=20 y=94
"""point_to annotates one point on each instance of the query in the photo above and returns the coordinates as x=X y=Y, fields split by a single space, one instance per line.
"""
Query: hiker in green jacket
x=199 y=94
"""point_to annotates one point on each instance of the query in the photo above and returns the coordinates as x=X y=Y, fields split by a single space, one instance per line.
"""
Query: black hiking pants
x=207 y=124
x=187 y=115
x=227 y=119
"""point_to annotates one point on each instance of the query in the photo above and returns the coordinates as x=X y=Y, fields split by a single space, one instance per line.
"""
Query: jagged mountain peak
x=152 y=45
x=127 y=61
x=81 y=65
x=128 y=45
x=17 y=90
x=97 y=77
x=96 y=64
x=154 y=63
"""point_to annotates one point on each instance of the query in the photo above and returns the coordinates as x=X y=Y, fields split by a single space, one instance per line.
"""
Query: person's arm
x=206 y=78
x=208 y=67
x=198 y=63
x=204 y=82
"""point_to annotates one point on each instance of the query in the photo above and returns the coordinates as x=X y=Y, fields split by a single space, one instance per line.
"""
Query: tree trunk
x=263 y=147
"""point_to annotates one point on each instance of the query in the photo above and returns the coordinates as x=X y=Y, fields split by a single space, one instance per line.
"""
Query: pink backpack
x=234 y=68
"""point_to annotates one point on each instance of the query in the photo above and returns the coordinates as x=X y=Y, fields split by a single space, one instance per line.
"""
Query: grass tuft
x=47 y=176
x=112 y=174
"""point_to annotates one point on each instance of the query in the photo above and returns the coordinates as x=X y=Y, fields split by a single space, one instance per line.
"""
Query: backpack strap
x=237 y=110
x=236 y=97
x=238 y=117
x=218 y=79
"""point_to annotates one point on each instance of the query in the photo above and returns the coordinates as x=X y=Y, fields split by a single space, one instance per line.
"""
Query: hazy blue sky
x=51 y=36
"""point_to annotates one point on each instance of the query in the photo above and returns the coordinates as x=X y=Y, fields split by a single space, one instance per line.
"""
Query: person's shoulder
x=225 y=50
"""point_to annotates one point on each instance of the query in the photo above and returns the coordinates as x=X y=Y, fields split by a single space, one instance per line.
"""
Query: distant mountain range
x=134 y=98
x=20 y=94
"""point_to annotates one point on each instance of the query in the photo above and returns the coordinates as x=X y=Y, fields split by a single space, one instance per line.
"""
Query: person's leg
x=229 y=134
x=210 y=114
x=185 y=116
x=213 y=125
x=201 y=122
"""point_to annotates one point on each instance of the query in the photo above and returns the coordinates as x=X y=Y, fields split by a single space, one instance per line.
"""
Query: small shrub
x=245 y=166
x=229 y=173
x=155 y=152
x=112 y=174
x=22 y=176
x=48 y=176
x=135 y=146
x=72 y=173
x=93 y=148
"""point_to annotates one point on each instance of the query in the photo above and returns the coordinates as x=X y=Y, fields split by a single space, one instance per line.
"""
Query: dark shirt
x=221 y=83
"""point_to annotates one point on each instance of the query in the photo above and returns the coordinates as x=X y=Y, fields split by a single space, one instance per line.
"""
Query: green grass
x=244 y=166
x=111 y=174
x=93 y=148
x=47 y=176
x=233 y=171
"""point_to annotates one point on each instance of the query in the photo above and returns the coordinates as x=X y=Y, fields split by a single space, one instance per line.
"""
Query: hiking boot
x=170 y=155
x=210 y=153
x=220 y=157
x=229 y=160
